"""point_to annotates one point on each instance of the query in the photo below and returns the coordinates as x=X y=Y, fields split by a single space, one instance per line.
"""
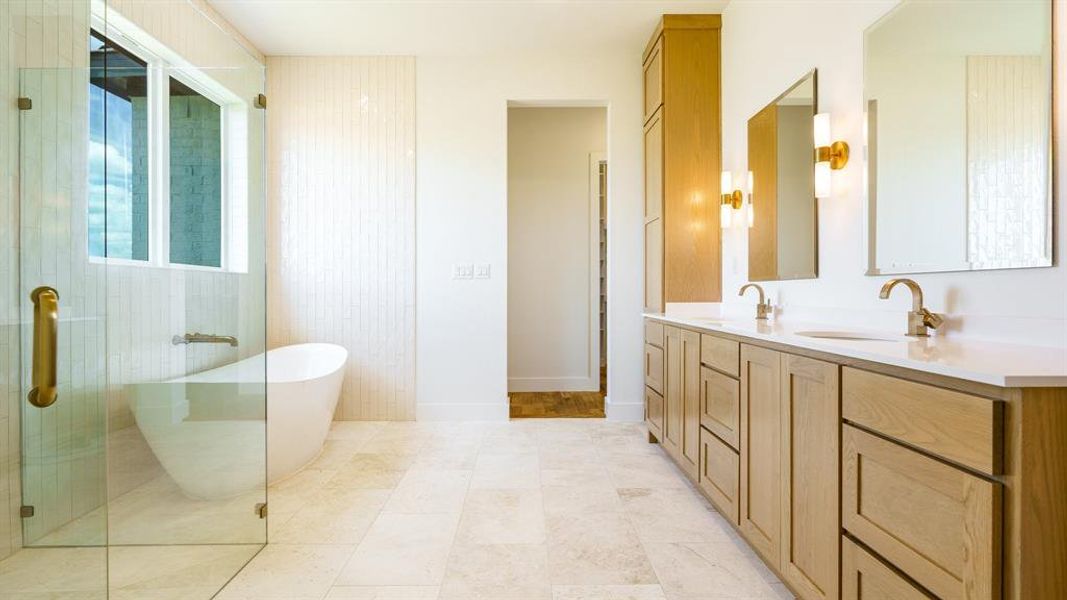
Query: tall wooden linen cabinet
x=683 y=260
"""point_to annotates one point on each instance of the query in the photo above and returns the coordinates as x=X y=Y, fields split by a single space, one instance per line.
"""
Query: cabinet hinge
x=26 y=512
x=25 y=103
x=261 y=510
x=260 y=101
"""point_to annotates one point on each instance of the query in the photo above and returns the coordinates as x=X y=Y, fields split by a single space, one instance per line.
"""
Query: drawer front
x=654 y=367
x=720 y=471
x=936 y=523
x=720 y=406
x=958 y=427
x=721 y=353
x=864 y=577
x=654 y=333
x=654 y=79
x=654 y=413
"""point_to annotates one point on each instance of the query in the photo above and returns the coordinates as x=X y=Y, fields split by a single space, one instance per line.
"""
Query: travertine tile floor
x=532 y=509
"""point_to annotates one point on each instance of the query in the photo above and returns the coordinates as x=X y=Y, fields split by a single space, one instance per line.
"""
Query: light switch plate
x=482 y=271
x=462 y=271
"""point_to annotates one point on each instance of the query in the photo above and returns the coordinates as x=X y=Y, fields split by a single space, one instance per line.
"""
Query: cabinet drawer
x=654 y=333
x=720 y=471
x=865 y=577
x=654 y=413
x=720 y=405
x=721 y=353
x=654 y=367
x=936 y=523
x=654 y=79
x=959 y=427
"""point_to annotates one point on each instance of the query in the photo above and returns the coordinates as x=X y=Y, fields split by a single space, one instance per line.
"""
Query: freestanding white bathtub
x=207 y=430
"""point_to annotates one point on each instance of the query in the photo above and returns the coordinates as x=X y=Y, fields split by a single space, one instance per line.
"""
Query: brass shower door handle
x=45 y=334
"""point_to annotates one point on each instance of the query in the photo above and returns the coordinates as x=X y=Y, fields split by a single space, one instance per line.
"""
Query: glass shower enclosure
x=131 y=268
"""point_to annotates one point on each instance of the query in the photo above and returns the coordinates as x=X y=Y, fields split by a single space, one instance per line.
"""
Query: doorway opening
x=557 y=261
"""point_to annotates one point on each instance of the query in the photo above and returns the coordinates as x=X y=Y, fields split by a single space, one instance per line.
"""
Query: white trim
x=593 y=365
x=630 y=412
x=554 y=384
x=462 y=411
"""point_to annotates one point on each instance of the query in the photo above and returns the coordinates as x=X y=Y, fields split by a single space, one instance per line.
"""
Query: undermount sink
x=858 y=336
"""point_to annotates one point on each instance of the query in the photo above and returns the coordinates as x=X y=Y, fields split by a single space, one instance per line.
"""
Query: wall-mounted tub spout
x=203 y=338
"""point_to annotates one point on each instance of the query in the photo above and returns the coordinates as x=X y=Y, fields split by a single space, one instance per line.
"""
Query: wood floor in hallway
x=539 y=405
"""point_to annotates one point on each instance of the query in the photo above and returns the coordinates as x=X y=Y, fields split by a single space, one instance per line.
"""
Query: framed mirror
x=959 y=136
x=783 y=223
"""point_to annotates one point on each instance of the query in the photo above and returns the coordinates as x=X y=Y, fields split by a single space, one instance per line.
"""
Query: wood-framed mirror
x=783 y=220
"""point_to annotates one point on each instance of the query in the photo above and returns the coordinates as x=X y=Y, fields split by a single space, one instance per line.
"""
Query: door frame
x=595 y=158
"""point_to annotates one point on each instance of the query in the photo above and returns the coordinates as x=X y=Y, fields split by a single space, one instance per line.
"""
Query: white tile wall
x=143 y=307
x=1009 y=221
x=342 y=228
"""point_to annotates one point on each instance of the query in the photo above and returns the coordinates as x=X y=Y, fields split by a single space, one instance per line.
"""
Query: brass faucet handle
x=763 y=310
x=931 y=319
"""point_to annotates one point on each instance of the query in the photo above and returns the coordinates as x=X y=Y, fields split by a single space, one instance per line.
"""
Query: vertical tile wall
x=144 y=307
x=341 y=155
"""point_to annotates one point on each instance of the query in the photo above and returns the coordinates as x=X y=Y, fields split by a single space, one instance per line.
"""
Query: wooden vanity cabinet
x=682 y=128
x=681 y=435
x=865 y=577
x=761 y=451
x=938 y=524
x=655 y=380
x=853 y=479
x=790 y=448
x=811 y=449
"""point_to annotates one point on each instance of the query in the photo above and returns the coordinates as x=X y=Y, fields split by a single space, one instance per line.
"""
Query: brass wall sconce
x=735 y=199
x=732 y=199
x=830 y=155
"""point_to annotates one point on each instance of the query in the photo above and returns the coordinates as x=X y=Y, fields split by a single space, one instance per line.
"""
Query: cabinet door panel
x=654 y=413
x=690 y=455
x=811 y=416
x=654 y=367
x=654 y=79
x=936 y=523
x=654 y=168
x=864 y=577
x=654 y=266
x=719 y=473
x=720 y=397
x=672 y=417
x=761 y=452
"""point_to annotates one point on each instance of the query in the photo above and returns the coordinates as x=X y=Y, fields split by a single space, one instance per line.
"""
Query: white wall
x=551 y=263
x=461 y=217
x=1026 y=306
x=341 y=248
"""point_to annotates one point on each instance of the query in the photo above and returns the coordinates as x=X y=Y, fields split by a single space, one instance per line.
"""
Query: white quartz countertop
x=1003 y=365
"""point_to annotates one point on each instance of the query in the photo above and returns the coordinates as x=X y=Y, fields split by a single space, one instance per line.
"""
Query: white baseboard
x=630 y=412
x=553 y=384
x=462 y=411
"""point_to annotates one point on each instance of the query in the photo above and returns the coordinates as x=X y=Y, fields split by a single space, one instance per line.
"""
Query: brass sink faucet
x=764 y=307
x=919 y=319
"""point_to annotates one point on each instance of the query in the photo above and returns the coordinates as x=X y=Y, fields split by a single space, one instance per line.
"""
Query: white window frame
x=164 y=63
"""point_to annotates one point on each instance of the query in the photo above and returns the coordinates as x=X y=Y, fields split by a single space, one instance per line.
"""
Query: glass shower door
x=61 y=295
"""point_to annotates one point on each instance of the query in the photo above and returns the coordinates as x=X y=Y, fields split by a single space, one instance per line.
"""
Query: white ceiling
x=450 y=27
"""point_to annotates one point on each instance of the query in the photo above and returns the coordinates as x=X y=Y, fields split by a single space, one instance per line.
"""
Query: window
x=157 y=184
x=195 y=178
x=118 y=152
